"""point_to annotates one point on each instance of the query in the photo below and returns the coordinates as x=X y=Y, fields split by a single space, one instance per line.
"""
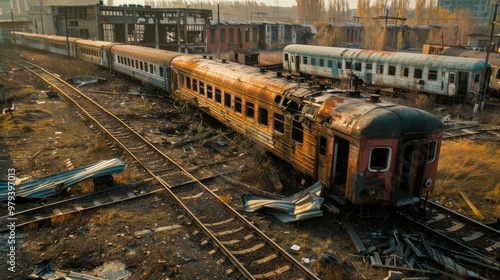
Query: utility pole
x=485 y=78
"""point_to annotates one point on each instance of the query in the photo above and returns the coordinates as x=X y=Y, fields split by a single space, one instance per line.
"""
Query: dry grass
x=112 y=216
x=126 y=177
x=471 y=168
x=59 y=219
x=225 y=198
x=97 y=146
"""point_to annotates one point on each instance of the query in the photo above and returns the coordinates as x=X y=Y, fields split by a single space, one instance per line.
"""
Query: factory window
x=212 y=36
x=209 y=92
x=304 y=60
x=218 y=96
x=263 y=116
x=274 y=33
x=247 y=35
x=227 y=100
x=249 y=111
x=231 y=35
x=432 y=76
x=380 y=69
x=288 y=33
x=279 y=123
x=237 y=104
x=417 y=74
x=379 y=159
x=202 y=88
x=431 y=155
x=222 y=35
x=404 y=71
x=297 y=131
x=322 y=145
x=195 y=85
x=188 y=82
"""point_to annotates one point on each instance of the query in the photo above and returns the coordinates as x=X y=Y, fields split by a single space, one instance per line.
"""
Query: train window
x=141 y=65
x=432 y=76
x=451 y=78
x=322 y=145
x=297 y=132
x=146 y=67
x=151 y=69
x=369 y=67
x=227 y=100
x=161 y=71
x=380 y=69
x=392 y=70
x=357 y=66
x=431 y=155
x=277 y=99
x=209 y=92
x=195 y=85
x=321 y=62
x=330 y=64
x=417 y=74
x=181 y=78
x=279 y=123
x=379 y=159
x=249 y=110
x=476 y=78
x=202 y=88
x=128 y=62
x=218 y=96
x=263 y=118
x=304 y=60
x=292 y=106
x=286 y=57
x=313 y=61
x=339 y=64
x=136 y=64
x=404 y=71
x=237 y=104
x=497 y=76
x=188 y=82
x=348 y=65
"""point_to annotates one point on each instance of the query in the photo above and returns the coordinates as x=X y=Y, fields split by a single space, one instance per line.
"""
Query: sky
x=282 y=3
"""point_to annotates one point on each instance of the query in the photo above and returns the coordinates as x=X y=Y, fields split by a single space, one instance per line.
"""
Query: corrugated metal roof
x=54 y=184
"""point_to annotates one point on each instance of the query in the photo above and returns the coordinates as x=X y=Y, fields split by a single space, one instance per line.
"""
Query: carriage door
x=452 y=88
x=340 y=165
x=297 y=64
x=411 y=165
x=463 y=82
x=324 y=159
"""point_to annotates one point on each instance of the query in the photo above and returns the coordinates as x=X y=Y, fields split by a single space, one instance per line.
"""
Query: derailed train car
x=433 y=74
x=362 y=150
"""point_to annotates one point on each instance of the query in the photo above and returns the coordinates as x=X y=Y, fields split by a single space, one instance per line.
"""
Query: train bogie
x=431 y=74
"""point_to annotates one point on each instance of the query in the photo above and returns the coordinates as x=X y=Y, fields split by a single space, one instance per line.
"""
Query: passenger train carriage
x=364 y=151
x=433 y=74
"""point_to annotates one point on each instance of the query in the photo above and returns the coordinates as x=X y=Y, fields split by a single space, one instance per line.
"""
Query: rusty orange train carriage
x=363 y=150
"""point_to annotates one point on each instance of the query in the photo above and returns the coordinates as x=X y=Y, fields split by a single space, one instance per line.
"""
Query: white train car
x=96 y=52
x=433 y=74
x=149 y=65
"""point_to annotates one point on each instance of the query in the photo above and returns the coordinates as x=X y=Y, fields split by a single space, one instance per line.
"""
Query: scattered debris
x=55 y=184
x=303 y=205
x=295 y=247
x=44 y=270
x=83 y=80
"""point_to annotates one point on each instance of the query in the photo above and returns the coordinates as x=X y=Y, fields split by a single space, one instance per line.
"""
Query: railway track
x=252 y=253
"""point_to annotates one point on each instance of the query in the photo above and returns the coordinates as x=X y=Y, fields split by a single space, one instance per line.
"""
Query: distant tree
x=310 y=10
x=338 y=10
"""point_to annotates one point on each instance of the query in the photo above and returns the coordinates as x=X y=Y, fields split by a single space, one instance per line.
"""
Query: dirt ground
x=40 y=136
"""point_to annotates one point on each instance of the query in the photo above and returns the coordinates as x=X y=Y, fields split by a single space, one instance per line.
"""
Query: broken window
x=250 y=111
x=380 y=69
x=292 y=106
x=432 y=76
x=237 y=104
x=379 y=159
x=263 y=118
x=227 y=100
x=297 y=131
x=404 y=71
x=195 y=85
x=279 y=123
x=218 y=96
